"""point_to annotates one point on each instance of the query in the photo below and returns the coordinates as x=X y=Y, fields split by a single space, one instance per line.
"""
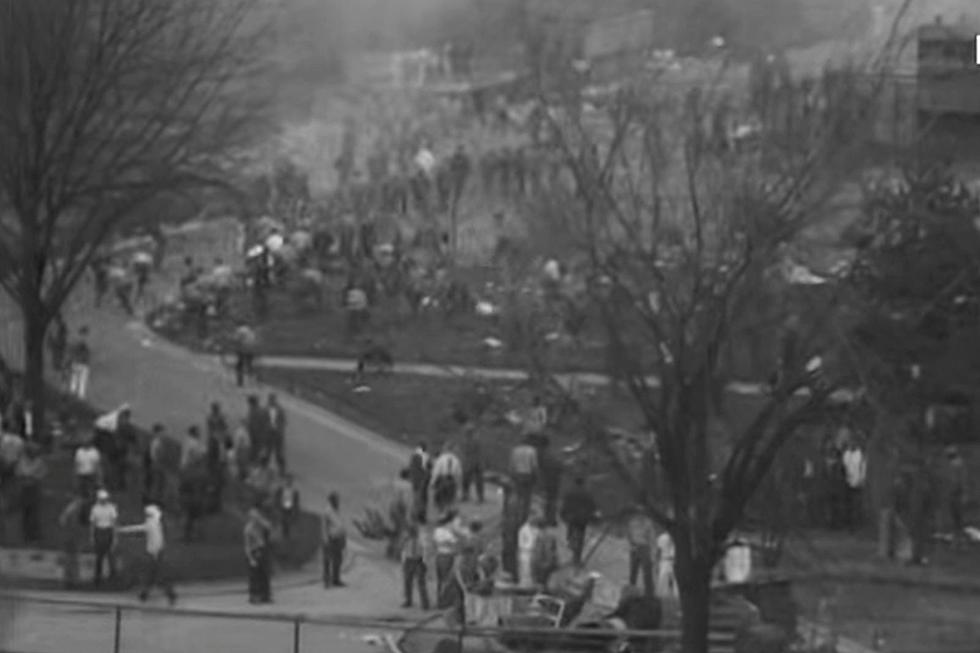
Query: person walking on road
x=474 y=464
x=578 y=511
x=416 y=550
x=287 y=505
x=156 y=574
x=72 y=521
x=334 y=542
x=257 y=536
x=103 y=520
x=258 y=430
x=276 y=417
x=79 y=358
x=245 y=343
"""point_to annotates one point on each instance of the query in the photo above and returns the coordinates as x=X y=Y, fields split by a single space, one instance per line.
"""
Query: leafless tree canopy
x=683 y=211
x=104 y=106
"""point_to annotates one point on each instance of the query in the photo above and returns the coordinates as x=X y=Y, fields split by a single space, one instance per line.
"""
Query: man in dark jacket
x=419 y=475
x=578 y=510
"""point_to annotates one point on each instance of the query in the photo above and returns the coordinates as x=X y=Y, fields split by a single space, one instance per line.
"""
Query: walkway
x=490 y=373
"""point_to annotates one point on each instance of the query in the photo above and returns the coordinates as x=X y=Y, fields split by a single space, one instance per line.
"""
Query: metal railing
x=32 y=624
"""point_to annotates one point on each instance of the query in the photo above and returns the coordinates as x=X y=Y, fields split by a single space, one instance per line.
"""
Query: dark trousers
x=157 y=575
x=576 y=541
x=30 y=511
x=103 y=540
x=260 y=579
x=473 y=478
x=445 y=492
x=278 y=445
x=524 y=486
x=444 y=577
x=641 y=561
x=413 y=575
x=421 y=492
x=244 y=362
x=855 y=507
x=333 y=560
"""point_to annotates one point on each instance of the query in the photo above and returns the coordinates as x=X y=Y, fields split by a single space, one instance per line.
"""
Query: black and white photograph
x=490 y=326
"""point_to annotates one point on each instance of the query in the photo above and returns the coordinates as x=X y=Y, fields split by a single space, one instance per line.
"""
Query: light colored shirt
x=333 y=525
x=192 y=451
x=104 y=515
x=445 y=539
x=665 y=547
x=426 y=161
x=87 y=461
x=11 y=448
x=855 y=468
x=447 y=464
x=153 y=529
x=524 y=460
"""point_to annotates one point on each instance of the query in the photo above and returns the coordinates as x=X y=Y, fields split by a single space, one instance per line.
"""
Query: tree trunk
x=694 y=582
x=35 y=331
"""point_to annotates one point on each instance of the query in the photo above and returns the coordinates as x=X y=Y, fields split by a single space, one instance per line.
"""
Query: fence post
x=296 y=623
x=117 y=638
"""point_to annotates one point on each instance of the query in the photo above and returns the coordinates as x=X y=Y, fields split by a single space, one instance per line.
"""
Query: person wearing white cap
x=152 y=527
x=103 y=519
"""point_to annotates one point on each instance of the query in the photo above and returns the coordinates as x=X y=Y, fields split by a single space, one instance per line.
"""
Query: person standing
x=956 y=493
x=257 y=536
x=550 y=471
x=524 y=472
x=416 y=550
x=446 y=538
x=31 y=472
x=72 y=521
x=258 y=429
x=510 y=526
x=419 y=474
x=287 y=504
x=334 y=541
x=855 y=476
x=156 y=574
x=79 y=359
x=154 y=467
x=447 y=477
x=245 y=343
x=276 y=417
x=103 y=520
x=642 y=538
x=527 y=545
x=474 y=464
x=88 y=468
x=666 y=580
x=578 y=511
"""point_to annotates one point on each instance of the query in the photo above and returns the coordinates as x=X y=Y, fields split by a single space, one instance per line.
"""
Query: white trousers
x=78 y=383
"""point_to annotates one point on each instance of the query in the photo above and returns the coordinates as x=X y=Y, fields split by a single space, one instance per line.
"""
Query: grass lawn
x=429 y=338
x=409 y=408
x=912 y=620
x=216 y=555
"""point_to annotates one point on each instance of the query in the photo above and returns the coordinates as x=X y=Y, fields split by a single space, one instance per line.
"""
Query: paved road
x=61 y=629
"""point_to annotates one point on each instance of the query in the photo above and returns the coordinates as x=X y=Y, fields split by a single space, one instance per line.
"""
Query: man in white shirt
x=103 y=519
x=855 y=476
x=88 y=468
x=152 y=528
x=447 y=478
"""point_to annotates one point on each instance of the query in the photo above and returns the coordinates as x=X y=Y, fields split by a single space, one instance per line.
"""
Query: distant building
x=947 y=75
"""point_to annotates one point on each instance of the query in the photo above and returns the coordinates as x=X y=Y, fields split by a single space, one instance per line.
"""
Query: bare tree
x=690 y=228
x=107 y=105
